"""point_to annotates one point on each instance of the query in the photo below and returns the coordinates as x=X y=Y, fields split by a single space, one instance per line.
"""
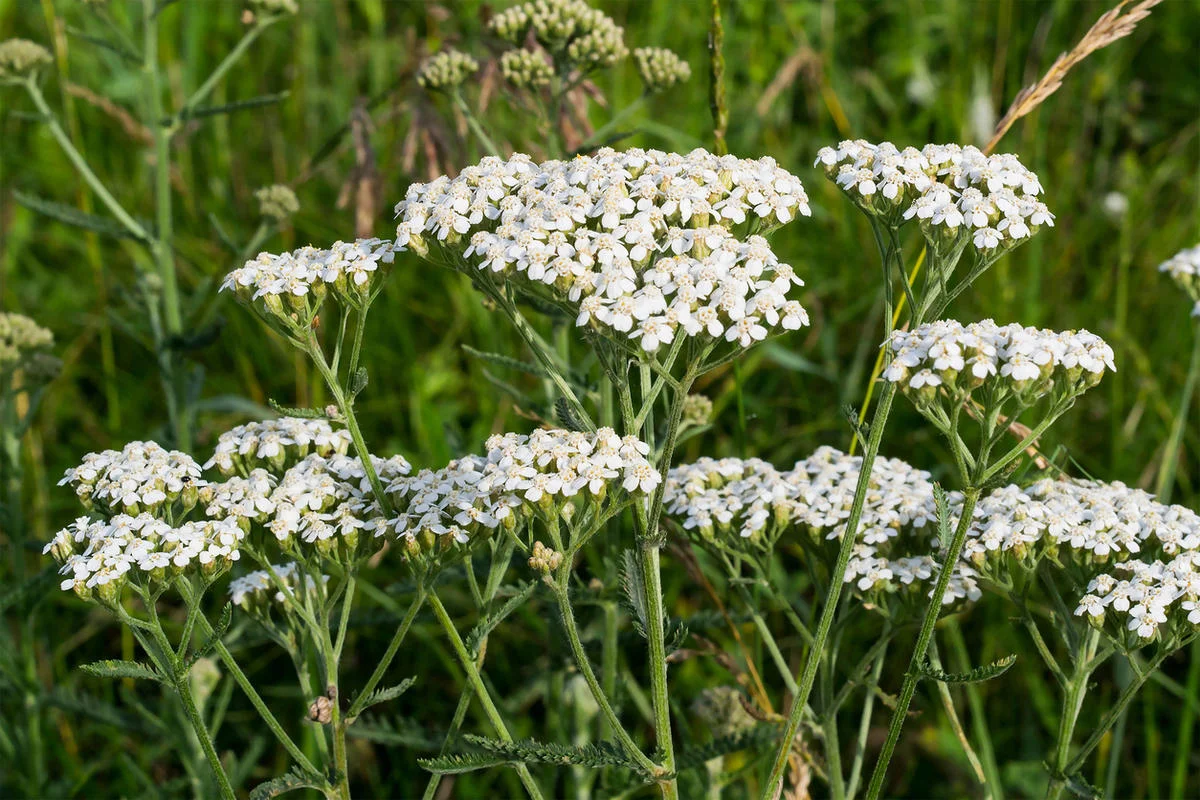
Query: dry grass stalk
x=1111 y=26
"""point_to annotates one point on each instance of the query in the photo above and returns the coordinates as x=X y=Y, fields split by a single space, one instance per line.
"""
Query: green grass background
x=800 y=75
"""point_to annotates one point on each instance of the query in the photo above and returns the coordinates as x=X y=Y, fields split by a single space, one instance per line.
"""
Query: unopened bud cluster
x=571 y=30
x=25 y=346
x=1184 y=268
x=21 y=57
x=645 y=245
x=660 y=68
x=957 y=194
x=446 y=70
x=697 y=410
x=946 y=361
x=275 y=444
x=277 y=203
x=748 y=506
x=544 y=559
x=554 y=476
x=526 y=69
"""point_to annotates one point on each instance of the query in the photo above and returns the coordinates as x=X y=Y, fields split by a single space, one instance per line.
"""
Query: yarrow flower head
x=25 y=346
x=277 y=203
x=275 y=444
x=570 y=30
x=1184 y=268
x=446 y=71
x=948 y=362
x=20 y=58
x=287 y=290
x=550 y=478
x=140 y=478
x=526 y=69
x=1141 y=601
x=744 y=507
x=260 y=592
x=957 y=194
x=643 y=246
x=660 y=69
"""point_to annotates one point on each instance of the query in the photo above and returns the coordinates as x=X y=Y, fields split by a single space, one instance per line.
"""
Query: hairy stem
x=913 y=674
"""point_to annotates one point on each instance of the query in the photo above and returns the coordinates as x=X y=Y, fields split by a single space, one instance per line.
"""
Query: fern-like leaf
x=388 y=693
x=292 y=411
x=528 y=751
x=94 y=708
x=488 y=623
x=566 y=415
x=676 y=635
x=942 y=505
x=217 y=632
x=290 y=781
x=752 y=738
x=458 y=763
x=123 y=669
x=69 y=215
x=977 y=675
x=633 y=592
x=239 y=105
x=35 y=586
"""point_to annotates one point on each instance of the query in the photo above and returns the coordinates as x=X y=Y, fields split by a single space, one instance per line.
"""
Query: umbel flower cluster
x=952 y=191
x=736 y=505
x=1184 y=268
x=575 y=34
x=446 y=70
x=1082 y=528
x=526 y=69
x=287 y=290
x=947 y=358
x=549 y=475
x=640 y=246
x=21 y=57
x=275 y=444
x=25 y=346
x=1147 y=599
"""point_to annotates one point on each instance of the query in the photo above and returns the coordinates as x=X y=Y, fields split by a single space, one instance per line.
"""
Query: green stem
x=388 y=655
x=1170 y=460
x=913 y=674
x=481 y=690
x=474 y=124
x=1076 y=689
x=336 y=727
x=987 y=753
x=1183 y=749
x=657 y=662
x=561 y=595
x=864 y=724
x=206 y=88
x=836 y=581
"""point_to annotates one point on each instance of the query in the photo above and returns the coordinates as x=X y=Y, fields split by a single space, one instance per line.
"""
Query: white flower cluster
x=20 y=57
x=951 y=190
x=715 y=498
x=1184 y=268
x=446 y=70
x=302 y=277
x=526 y=69
x=947 y=356
x=99 y=556
x=275 y=444
x=569 y=29
x=639 y=244
x=1085 y=523
x=141 y=477
x=277 y=202
x=1146 y=597
x=256 y=590
x=546 y=473
x=660 y=69
x=21 y=339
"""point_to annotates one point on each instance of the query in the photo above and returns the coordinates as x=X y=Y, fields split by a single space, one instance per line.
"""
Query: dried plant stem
x=1111 y=26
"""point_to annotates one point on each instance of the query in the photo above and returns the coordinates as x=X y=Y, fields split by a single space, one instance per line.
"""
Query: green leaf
x=217 y=632
x=239 y=105
x=942 y=504
x=676 y=634
x=94 y=708
x=358 y=381
x=69 y=215
x=394 y=732
x=123 y=669
x=528 y=751
x=752 y=738
x=488 y=623
x=633 y=591
x=105 y=44
x=458 y=763
x=566 y=415
x=294 y=411
x=293 y=779
x=977 y=675
x=507 y=362
x=388 y=693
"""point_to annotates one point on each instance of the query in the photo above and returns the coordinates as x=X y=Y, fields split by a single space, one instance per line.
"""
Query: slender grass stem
x=1183 y=748
x=481 y=690
x=979 y=723
x=913 y=674
x=1165 y=484
x=474 y=124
